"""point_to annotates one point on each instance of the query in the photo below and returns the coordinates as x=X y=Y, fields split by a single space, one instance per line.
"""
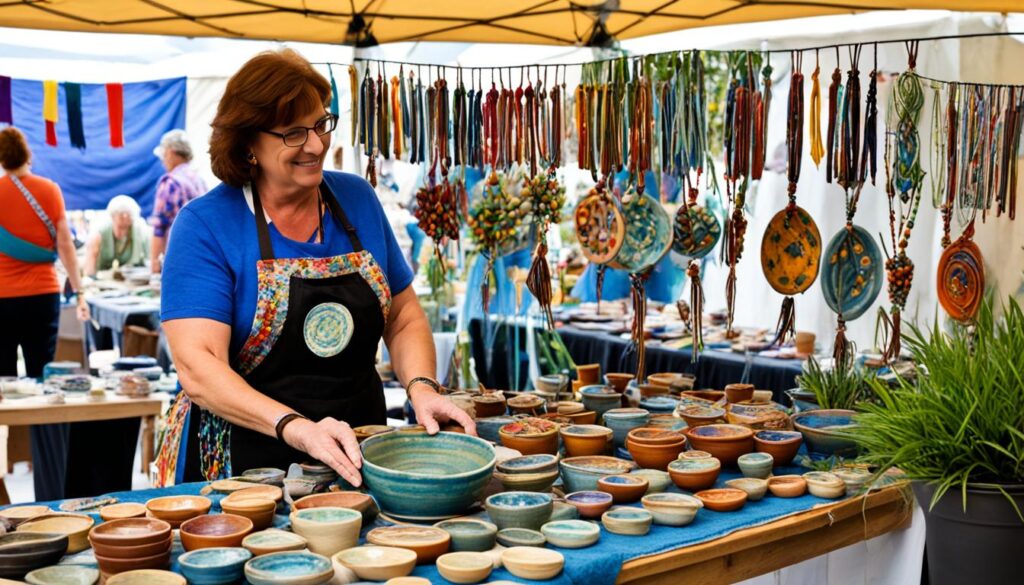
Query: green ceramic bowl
x=469 y=534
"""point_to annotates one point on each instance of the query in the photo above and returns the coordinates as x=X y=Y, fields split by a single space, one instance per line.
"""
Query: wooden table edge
x=896 y=500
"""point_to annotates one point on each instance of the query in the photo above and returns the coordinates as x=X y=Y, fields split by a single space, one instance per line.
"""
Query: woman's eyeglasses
x=297 y=136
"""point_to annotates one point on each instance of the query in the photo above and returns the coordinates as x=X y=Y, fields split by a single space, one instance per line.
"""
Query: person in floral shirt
x=180 y=185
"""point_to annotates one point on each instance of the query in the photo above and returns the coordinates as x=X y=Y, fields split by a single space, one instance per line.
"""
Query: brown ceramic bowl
x=590 y=504
x=739 y=392
x=125 y=510
x=130 y=532
x=489 y=405
x=694 y=474
x=781 y=445
x=266 y=492
x=649 y=390
x=587 y=417
x=178 y=508
x=131 y=552
x=525 y=403
x=663 y=379
x=366 y=431
x=530 y=436
x=18 y=514
x=259 y=510
x=723 y=500
x=357 y=501
x=428 y=542
x=787 y=486
x=581 y=440
x=726 y=442
x=697 y=415
x=618 y=381
x=214 y=530
x=75 y=526
x=567 y=407
x=708 y=395
x=113 y=566
x=625 y=488
x=654 y=456
x=654 y=437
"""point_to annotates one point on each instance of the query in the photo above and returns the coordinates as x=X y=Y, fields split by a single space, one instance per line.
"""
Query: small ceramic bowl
x=627 y=520
x=259 y=510
x=739 y=392
x=660 y=404
x=63 y=575
x=726 y=442
x=110 y=566
x=695 y=454
x=527 y=482
x=264 y=475
x=214 y=566
x=781 y=445
x=289 y=567
x=469 y=534
x=427 y=542
x=176 y=509
x=271 y=541
x=657 y=481
x=562 y=510
x=722 y=500
x=705 y=397
x=229 y=485
x=591 y=504
x=825 y=431
x=147 y=577
x=27 y=551
x=664 y=379
x=327 y=530
x=694 y=474
x=131 y=532
x=853 y=477
x=672 y=509
x=131 y=551
x=527 y=562
x=755 y=488
x=519 y=509
x=655 y=456
x=758 y=465
x=666 y=421
x=787 y=486
x=407 y=581
x=697 y=415
x=528 y=464
x=18 y=514
x=618 y=381
x=582 y=440
x=529 y=403
x=465 y=567
x=125 y=510
x=214 y=530
x=623 y=420
x=567 y=407
x=510 y=537
x=625 y=489
x=530 y=436
x=358 y=501
x=488 y=405
x=75 y=526
x=653 y=437
x=376 y=563
x=260 y=491
x=581 y=473
x=825 y=485
x=571 y=533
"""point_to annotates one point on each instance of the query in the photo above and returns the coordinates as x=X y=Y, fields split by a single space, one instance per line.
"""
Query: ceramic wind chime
x=852 y=271
x=791 y=245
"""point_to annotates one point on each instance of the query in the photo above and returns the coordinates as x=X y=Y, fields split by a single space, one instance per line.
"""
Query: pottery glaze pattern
x=851 y=276
x=961 y=279
x=791 y=251
x=648 y=234
x=696 y=231
x=600 y=227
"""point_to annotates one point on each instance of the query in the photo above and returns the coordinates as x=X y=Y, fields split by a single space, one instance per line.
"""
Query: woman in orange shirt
x=33 y=234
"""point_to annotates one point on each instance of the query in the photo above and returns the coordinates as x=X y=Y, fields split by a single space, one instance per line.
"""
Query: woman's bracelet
x=423 y=380
x=282 y=421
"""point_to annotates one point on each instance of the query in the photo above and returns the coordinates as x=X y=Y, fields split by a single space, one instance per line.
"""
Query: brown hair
x=14 y=152
x=272 y=88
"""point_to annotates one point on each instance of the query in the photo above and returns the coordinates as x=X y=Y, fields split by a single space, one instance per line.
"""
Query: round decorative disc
x=791 y=251
x=600 y=227
x=851 y=274
x=648 y=233
x=328 y=329
x=697 y=231
x=961 y=279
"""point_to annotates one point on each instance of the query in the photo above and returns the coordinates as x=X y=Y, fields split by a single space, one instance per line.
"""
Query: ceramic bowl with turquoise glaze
x=538 y=463
x=627 y=520
x=418 y=476
x=214 y=566
x=289 y=567
x=757 y=465
x=802 y=400
x=519 y=509
x=510 y=537
x=851 y=272
x=825 y=431
x=623 y=420
x=659 y=404
x=488 y=427
x=600 y=398
x=564 y=511
x=469 y=534
x=580 y=474
x=571 y=533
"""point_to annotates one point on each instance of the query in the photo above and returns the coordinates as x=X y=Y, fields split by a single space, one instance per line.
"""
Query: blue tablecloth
x=596 y=565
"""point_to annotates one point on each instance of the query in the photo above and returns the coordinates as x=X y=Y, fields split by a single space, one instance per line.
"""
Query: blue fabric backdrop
x=90 y=178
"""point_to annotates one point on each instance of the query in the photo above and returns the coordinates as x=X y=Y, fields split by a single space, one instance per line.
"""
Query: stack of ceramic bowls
x=130 y=544
x=357 y=501
x=21 y=552
x=530 y=473
x=327 y=530
x=654 y=448
x=580 y=474
x=259 y=510
x=623 y=420
x=176 y=509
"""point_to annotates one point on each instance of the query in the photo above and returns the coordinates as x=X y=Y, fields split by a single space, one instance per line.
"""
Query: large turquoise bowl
x=826 y=432
x=417 y=476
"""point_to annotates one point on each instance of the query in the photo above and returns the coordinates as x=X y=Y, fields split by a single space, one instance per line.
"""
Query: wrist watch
x=422 y=380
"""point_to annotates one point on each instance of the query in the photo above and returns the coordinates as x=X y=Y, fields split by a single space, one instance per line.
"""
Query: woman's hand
x=432 y=409
x=82 y=311
x=329 y=441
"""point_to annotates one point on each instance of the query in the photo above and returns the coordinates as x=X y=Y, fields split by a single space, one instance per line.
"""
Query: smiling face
x=288 y=169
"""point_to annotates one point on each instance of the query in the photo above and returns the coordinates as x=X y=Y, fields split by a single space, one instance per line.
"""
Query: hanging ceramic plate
x=697 y=231
x=791 y=251
x=961 y=279
x=851 y=275
x=648 y=233
x=600 y=227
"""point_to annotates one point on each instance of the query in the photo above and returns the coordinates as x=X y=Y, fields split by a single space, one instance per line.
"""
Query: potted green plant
x=842 y=386
x=957 y=431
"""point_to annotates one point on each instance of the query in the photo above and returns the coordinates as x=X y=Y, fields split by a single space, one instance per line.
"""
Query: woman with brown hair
x=33 y=234
x=279 y=284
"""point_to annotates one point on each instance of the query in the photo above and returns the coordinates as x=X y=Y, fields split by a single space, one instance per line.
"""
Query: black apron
x=312 y=347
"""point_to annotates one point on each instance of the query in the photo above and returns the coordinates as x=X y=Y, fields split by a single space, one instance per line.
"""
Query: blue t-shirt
x=210 y=267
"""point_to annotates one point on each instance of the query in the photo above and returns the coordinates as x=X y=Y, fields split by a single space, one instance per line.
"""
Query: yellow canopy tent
x=369 y=22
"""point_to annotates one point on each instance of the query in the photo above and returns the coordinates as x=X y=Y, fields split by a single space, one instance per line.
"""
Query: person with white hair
x=123 y=240
x=177 y=187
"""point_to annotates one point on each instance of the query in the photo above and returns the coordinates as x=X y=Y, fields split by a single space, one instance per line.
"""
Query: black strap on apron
x=267 y=249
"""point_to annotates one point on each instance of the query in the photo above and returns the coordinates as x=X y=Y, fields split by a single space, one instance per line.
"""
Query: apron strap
x=267 y=249
x=38 y=209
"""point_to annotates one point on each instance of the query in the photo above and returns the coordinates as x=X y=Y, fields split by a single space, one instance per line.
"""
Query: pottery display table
x=34 y=411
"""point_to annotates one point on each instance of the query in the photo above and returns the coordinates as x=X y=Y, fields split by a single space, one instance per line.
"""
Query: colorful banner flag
x=50 y=110
x=76 y=131
x=115 y=110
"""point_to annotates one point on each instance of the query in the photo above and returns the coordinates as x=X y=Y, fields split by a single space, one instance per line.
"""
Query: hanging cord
x=833 y=109
x=869 y=154
x=817 y=146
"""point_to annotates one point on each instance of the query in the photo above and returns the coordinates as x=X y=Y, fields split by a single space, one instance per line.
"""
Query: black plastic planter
x=983 y=545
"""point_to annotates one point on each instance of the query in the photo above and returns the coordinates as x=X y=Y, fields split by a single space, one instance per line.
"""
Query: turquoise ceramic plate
x=648 y=233
x=697 y=231
x=851 y=275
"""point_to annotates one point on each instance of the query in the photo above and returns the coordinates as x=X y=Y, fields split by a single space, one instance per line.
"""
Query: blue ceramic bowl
x=823 y=431
x=623 y=420
x=803 y=400
x=659 y=404
x=510 y=537
x=580 y=474
x=289 y=567
x=418 y=476
x=519 y=509
x=600 y=398
x=571 y=533
x=539 y=463
x=469 y=534
x=214 y=566
x=564 y=511
x=488 y=427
